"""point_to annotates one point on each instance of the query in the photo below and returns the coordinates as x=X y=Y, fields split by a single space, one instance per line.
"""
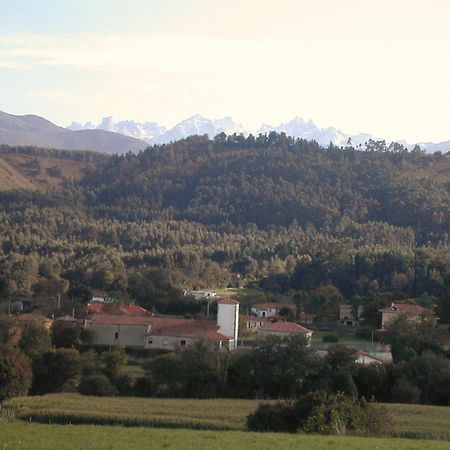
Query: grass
x=412 y=421
x=347 y=339
x=63 y=437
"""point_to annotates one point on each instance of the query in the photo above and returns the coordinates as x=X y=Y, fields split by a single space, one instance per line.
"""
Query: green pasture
x=20 y=435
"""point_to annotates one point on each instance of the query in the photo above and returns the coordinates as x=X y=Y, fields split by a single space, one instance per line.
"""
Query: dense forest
x=282 y=213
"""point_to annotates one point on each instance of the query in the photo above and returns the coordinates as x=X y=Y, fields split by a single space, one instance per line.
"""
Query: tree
x=15 y=373
x=35 y=339
x=53 y=369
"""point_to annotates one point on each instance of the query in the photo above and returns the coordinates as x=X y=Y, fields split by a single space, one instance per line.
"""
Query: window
x=150 y=341
x=182 y=342
x=166 y=342
x=117 y=335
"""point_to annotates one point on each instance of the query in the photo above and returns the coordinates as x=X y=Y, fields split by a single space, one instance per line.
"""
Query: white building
x=270 y=309
x=201 y=295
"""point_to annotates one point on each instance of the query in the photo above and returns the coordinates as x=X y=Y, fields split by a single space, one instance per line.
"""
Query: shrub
x=96 y=385
x=278 y=417
x=318 y=412
x=124 y=385
x=144 y=386
x=332 y=337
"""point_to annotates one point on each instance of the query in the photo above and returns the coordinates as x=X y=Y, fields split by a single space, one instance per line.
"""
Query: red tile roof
x=285 y=327
x=228 y=301
x=405 y=308
x=111 y=308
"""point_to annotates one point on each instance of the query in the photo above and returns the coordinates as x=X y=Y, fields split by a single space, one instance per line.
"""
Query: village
x=130 y=326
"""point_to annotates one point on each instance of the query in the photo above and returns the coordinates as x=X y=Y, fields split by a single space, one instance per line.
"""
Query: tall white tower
x=228 y=319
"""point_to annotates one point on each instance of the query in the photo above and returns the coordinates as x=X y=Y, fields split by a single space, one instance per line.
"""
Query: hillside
x=37 y=131
x=273 y=181
x=31 y=168
x=10 y=179
x=210 y=212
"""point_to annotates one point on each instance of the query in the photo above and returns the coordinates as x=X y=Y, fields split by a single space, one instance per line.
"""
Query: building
x=168 y=333
x=284 y=329
x=347 y=316
x=201 y=295
x=253 y=323
x=271 y=310
x=395 y=310
x=366 y=359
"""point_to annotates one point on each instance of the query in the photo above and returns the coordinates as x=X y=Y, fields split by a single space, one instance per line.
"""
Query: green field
x=413 y=421
x=61 y=437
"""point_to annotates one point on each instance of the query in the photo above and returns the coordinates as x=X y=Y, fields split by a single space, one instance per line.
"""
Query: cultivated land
x=413 y=421
x=61 y=437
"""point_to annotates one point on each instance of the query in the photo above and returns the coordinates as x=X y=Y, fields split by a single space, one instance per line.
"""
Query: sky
x=381 y=67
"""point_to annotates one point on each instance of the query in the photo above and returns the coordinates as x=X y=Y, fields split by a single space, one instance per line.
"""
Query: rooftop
x=285 y=327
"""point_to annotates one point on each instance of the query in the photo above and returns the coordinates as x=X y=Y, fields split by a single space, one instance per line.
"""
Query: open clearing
x=39 y=436
x=412 y=421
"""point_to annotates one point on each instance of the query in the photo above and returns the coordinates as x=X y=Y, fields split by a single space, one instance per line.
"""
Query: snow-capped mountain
x=300 y=128
x=148 y=131
x=152 y=133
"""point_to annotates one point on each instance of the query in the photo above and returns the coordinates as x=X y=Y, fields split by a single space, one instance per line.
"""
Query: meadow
x=62 y=437
x=411 y=421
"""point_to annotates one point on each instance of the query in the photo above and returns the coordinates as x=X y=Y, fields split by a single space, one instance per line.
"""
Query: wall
x=127 y=335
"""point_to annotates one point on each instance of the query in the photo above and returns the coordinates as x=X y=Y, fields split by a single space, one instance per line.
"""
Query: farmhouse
x=148 y=331
x=284 y=329
x=395 y=310
x=270 y=310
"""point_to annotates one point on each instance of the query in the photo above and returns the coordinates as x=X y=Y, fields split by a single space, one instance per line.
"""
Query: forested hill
x=276 y=180
x=202 y=213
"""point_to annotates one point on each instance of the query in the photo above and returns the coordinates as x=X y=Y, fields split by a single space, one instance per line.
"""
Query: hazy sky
x=378 y=66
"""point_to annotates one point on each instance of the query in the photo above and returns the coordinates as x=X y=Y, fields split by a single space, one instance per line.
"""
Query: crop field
x=63 y=437
x=411 y=421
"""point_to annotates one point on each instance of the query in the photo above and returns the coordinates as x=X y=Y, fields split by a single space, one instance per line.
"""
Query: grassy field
x=61 y=437
x=413 y=421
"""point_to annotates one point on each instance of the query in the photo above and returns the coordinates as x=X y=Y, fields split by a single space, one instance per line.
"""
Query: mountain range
x=152 y=133
x=112 y=136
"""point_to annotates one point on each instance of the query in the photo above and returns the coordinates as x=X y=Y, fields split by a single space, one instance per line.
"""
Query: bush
x=96 y=385
x=278 y=417
x=319 y=412
x=332 y=337
x=144 y=387
x=124 y=385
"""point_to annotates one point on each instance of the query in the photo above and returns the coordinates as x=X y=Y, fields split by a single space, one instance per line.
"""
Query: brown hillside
x=10 y=179
x=21 y=169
